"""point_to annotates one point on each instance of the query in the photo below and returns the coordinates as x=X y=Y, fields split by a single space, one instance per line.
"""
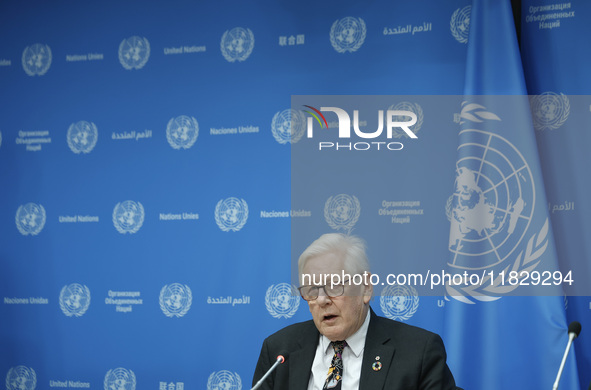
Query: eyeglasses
x=310 y=293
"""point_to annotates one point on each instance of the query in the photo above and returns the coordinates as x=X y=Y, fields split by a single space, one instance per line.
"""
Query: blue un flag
x=505 y=330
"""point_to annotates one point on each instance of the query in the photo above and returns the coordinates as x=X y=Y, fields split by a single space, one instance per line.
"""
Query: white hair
x=351 y=247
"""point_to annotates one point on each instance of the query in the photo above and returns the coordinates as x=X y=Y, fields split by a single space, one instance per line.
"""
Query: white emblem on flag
x=460 y=24
x=74 y=300
x=342 y=211
x=348 y=34
x=36 y=59
x=128 y=216
x=231 y=214
x=491 y=210
x=225 y=380
x=237 y=44
x=134 y=52
x=550 y=110
x=288 y=126
x=30 y=219
x=281 y=300
x=82 y=137
x=21 y=378
x=492 y=205
x=399 y=302
x=120 y=379
x=175 y=299
x=182 y=132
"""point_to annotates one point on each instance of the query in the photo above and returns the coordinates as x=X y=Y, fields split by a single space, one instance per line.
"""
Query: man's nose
x=323 y=299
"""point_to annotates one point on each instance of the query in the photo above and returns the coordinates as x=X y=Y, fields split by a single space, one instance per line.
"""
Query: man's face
x=339 y=317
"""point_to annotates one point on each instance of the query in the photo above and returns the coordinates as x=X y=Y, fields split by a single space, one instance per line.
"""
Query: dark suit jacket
x=412 y=358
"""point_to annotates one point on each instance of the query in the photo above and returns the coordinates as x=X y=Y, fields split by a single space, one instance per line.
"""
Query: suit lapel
x=300 y=361
x=377 y=345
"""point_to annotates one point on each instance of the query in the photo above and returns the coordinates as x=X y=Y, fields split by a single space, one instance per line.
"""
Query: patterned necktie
x=335 y=372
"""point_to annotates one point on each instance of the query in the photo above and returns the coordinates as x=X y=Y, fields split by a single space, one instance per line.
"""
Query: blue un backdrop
x=147 y=222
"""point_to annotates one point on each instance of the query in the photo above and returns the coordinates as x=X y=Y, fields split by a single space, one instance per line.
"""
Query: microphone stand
x=280 y=360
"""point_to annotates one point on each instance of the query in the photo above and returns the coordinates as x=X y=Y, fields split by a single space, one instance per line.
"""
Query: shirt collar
x=356 y=341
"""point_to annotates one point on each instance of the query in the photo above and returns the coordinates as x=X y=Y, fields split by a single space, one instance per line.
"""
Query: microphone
x=280 y=360
x=574 y=329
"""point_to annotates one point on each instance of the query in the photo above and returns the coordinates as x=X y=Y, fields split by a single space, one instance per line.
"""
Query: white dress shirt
x=352 y=358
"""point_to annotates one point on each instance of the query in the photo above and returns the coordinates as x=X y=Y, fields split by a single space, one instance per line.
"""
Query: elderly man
x=347 y=346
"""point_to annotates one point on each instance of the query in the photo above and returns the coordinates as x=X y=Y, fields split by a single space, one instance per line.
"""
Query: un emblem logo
x=549 y=110
x=128 y=216
x=460 y=24
x=399 y=302
x=491 y=210
x=175 y=299
x=348 y=34
x=82 y=137
x=134 y=52
x=288 y=126
x=30 y=219
x=225 y=380
x=231 y=214
x=74 y=300
x=281 y=300
x=237 y=44
x=182 y=132
x=36 y=59
x=493 y=202
x=21 y=378
x=407 y=106
x=120 y=379
x=342 y=211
